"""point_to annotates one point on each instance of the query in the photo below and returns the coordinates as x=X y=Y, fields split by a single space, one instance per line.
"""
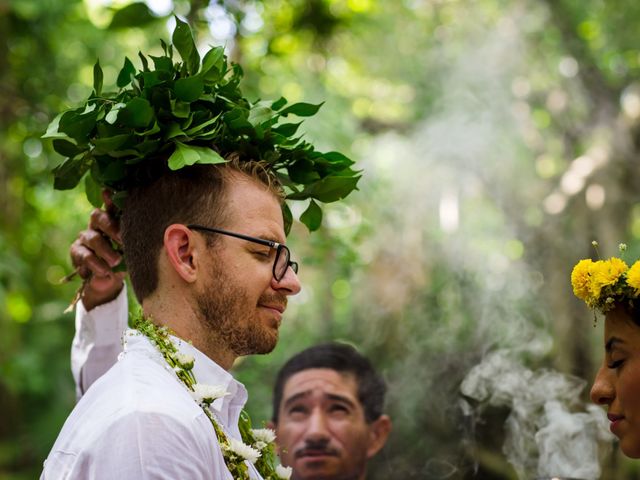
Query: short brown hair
x=194 y=194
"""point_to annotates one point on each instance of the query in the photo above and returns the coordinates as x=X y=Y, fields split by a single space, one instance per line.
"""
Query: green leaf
x=278 y=104
x=183 y=41
x=53 y=128
x=173 y=132
x=93 y=191
x=68 y=173
x=66 y=148
x=126 y=73
x=78 y=125
x=193 y=131
x=327 y=190
x=98 y=78
x=112 y=116
x=180 y=109
x=338 y=158
x=287 y=217
x=137 y=113
x=287 y=129
x=237 y=119
x=303 y=172
x=148 y=147
x=145 y=62
x=133 y=15
x=110 y=172
x=108 y=144
x=213 y=65
x=189 y=89
x=312 y=216
x=260 y=114
x=301 y=109
x=150 y=79
x=163 y=64
x=185 y=155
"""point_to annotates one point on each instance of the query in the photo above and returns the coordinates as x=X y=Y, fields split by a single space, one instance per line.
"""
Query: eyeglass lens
x=283 y=262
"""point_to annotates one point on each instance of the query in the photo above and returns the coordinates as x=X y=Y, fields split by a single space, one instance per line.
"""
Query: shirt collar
x=207 y=372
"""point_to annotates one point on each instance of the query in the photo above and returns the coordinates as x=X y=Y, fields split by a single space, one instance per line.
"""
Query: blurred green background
x=498 y=139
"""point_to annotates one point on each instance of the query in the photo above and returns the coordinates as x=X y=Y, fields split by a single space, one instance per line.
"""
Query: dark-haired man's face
x=322 y=432
x=240 y=301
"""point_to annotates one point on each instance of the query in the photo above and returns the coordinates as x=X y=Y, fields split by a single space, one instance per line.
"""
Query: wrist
x=92 y=298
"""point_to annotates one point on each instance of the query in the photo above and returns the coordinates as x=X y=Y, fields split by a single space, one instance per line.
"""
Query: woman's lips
x=615 y=421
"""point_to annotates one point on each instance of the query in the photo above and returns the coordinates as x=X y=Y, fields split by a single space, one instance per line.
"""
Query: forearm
x=97 y=341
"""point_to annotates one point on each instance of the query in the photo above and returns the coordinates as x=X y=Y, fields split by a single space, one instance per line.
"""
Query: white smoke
x=546 y=433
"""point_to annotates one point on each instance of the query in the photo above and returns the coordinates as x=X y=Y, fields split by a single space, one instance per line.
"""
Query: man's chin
x=317 y=468
x=263 y=343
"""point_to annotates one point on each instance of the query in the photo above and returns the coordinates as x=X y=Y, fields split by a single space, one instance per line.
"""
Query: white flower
x=207 y=393
x=283 y=472
x=264 y=435
x=185 y=360
x=243 y=450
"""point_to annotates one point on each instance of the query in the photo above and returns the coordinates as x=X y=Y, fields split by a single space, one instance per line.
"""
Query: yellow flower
x=605 y=273
x=581 y=279
x=633 y=277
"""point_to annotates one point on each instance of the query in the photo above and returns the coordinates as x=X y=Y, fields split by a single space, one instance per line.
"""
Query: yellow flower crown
x=604 y=283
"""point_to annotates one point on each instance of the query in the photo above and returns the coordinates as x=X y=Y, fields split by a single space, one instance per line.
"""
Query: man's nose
x=603 y=391
x=289 y=284
x=317 y=426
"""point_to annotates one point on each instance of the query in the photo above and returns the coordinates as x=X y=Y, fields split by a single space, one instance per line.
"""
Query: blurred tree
x=498 y=138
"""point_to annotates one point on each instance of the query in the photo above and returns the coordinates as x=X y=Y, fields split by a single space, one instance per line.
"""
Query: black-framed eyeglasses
x=283 y=256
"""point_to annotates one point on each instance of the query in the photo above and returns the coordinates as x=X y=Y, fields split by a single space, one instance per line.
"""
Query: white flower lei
x=256 y=446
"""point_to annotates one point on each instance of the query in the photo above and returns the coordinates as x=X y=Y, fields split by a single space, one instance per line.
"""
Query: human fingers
x=85 y=258
x=101 y=245
x=107 y=223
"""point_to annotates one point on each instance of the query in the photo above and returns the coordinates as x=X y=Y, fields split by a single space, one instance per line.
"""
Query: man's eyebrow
x=611 y=343
x=340 y=398
x=296 y=397
x=331 y=396
x=269 y=236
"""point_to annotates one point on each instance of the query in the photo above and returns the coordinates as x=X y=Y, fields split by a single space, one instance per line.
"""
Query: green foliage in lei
x=267 y=462
x=184 y=113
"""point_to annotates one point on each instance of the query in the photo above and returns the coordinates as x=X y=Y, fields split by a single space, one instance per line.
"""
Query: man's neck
x=185 y=323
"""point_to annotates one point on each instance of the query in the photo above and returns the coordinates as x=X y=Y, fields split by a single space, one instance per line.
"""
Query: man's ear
x=378 y=433
x=182 y=251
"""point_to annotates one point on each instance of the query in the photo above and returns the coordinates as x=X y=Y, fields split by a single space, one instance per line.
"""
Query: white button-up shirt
x=138 y=421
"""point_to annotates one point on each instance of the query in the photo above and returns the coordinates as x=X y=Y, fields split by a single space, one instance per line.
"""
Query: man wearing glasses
x=206 y=258
x=328 y=403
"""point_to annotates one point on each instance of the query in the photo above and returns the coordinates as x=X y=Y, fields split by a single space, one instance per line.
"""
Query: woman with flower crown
x=612 y=288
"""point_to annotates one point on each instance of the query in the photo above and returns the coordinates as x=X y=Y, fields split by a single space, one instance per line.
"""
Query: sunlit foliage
x=498 y=138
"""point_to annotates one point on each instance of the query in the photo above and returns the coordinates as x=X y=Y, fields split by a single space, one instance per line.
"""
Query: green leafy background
x=498 y=138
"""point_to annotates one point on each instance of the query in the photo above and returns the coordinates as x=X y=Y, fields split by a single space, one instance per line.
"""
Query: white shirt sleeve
x=98 y=340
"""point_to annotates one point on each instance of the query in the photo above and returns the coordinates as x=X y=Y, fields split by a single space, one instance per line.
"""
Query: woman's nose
x=603 y=390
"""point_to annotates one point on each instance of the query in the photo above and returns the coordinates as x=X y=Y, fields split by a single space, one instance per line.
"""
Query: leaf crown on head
x=605 y=283
x=185 y=113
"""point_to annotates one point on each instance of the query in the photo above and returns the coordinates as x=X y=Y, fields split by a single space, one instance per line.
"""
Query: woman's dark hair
x=632 y=308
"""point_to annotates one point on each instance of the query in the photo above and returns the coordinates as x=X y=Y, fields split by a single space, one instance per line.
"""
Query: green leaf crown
x=186 y=113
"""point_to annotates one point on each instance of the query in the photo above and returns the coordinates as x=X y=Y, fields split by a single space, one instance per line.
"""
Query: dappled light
x=496 y=140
